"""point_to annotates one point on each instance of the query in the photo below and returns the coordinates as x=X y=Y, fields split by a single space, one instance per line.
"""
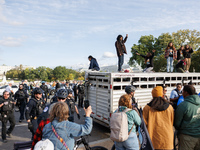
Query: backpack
x=44 y=145
x=119 y=126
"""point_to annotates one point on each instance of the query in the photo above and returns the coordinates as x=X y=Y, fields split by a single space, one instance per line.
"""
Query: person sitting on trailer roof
x=148 y=60
x=93 y=63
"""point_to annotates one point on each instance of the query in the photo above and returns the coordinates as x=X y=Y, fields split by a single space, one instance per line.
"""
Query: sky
x=65 y=32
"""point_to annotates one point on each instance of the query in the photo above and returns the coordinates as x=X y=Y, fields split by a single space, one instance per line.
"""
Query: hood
x=194 y=99
x=122 y=108
x=158 y=104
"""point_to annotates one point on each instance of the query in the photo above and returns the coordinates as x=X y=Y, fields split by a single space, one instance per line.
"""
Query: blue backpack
x=180 y=100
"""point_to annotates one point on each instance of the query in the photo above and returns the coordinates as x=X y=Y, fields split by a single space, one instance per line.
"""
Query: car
x=3 y=88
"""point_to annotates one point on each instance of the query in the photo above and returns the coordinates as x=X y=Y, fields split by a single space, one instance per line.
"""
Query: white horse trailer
x=105 y=89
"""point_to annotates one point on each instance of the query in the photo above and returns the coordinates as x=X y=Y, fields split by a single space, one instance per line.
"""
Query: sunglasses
x=61 y=98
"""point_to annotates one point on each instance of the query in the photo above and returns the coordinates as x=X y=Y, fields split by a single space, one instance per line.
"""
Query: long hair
x=180 y=48
x=125 y=101
x=60 y=111
x=170 y=47
x=158 y=102
x=118 y=37
x=189 y=48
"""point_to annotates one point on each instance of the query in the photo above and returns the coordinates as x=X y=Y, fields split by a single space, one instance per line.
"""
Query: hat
x=44 y=145
x=157 y=91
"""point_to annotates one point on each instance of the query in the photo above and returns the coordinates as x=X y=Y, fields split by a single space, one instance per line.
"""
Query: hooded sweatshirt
x=159 y=122
x=187 y=116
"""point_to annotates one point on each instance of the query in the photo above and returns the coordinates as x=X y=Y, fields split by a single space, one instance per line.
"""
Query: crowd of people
x=54 y=123
x=33 y=109
x=163 y=117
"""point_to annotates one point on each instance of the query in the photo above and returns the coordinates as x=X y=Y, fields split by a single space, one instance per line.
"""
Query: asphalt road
x=21 y=132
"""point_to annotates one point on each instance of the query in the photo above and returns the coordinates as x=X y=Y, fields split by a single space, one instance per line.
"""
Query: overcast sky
x=65 y=32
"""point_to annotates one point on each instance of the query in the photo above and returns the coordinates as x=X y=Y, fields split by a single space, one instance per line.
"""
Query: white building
x=5 y=68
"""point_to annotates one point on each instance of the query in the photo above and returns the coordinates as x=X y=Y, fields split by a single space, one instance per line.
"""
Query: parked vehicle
x=103 y=90
x=3 y=88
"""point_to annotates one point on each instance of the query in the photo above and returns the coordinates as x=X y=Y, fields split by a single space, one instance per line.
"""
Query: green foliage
x=148 y=43
x=195 y=61
x=45 y=74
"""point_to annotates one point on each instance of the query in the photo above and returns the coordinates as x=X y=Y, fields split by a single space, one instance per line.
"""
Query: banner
x=144 y=138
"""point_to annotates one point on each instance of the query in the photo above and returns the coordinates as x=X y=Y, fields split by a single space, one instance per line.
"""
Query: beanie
x=157 y=91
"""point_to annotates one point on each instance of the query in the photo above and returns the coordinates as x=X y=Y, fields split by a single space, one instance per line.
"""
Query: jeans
x=170 y=64
x=120 y=62
x=149 y=69
x=130 y=144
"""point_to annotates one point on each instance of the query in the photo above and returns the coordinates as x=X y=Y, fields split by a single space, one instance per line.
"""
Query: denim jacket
x=66 y=130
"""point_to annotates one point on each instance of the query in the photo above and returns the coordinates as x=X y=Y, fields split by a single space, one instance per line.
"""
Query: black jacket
x=187 y=53
x=150 y=60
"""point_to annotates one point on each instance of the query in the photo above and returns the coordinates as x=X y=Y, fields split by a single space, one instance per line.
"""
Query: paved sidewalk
x=107 y=143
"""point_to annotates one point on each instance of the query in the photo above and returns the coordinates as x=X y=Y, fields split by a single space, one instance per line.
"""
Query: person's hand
x=78 y=116
x=120 y=54
x=1 y=105
x=30 y=126
x=137 y=53
x=126 y=35
x=153 y=50
x=28 y=120
x=88 y=111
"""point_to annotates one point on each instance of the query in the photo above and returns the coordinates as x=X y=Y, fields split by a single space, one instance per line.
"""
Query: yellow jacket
x=160 y=126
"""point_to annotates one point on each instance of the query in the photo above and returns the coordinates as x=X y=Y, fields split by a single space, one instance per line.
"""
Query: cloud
x=3 y=17
x=12 y=42
x=109 y=55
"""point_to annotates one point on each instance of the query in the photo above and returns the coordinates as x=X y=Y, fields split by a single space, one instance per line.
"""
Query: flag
x=144 y=138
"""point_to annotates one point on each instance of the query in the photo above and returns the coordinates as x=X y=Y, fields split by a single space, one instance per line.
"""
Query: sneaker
x=4 y=141
x=9 y=135
x=20 y=121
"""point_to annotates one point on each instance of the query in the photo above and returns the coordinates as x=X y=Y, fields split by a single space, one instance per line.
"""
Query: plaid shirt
x=38 y=134
x=174 y=53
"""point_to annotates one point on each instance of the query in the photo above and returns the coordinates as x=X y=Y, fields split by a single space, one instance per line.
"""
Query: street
x=21 y=132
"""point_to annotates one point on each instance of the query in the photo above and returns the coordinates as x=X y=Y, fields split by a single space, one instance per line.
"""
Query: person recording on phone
x=60 y=126
x=7 y=114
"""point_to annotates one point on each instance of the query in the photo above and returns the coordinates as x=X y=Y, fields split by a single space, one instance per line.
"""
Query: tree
x=147 y=43
x=195 y=61
x=60 y=73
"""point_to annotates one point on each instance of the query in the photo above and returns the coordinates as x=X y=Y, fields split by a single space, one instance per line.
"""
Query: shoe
x=9 y=135
x=20 y=121
x=4 y=141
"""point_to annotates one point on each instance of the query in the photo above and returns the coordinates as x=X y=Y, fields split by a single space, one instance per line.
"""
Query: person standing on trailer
x=170 y=55
x=187 y=54
x=121 y=50
x=148 y=60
